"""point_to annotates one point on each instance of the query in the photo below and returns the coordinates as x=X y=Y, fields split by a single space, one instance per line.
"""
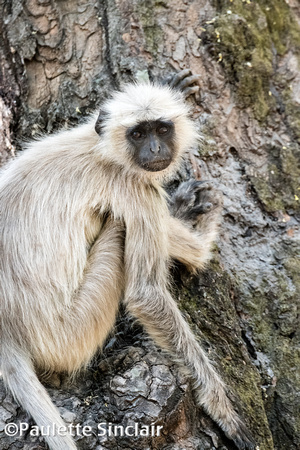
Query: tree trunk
x=59 y=59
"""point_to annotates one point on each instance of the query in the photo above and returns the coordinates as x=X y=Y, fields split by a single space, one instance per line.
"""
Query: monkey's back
x=46 y=229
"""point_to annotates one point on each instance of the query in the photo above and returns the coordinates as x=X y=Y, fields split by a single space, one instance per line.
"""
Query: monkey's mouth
x=156 y=165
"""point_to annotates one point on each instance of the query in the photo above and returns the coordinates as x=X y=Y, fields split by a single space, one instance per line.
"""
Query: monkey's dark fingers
x=202 y=209
x=241 y=444
x=245 y=442
x=187 y=81
x=190 y=91
x=189 y=190
x=178 y=77
x=195 y=186
x=203 y=186
x=242 y=437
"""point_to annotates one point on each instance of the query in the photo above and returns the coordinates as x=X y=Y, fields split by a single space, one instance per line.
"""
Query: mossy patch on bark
x=217 y=323
x=279 y=187
x=245 y=37
x=152 y=31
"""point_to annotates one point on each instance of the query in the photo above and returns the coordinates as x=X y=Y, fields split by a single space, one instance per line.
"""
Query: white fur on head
x=144 y=102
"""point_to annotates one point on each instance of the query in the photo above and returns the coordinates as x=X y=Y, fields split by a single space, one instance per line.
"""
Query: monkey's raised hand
x=183 y=81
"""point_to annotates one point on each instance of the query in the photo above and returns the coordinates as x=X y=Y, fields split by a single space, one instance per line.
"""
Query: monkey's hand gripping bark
x=196 y=209
x=198 y=203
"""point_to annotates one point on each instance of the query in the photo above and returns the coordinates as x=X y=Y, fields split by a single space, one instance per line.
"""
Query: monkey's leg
x=147 y=299
x=83 y=327
x=92 y=314
x=159 y=314
x=196 y=207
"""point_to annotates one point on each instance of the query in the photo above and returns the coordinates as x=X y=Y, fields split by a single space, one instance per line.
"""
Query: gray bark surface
x=58 y=60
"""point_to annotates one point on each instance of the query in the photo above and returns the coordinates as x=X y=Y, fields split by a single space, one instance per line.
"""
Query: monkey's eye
x=162 y=129
x=136 y=135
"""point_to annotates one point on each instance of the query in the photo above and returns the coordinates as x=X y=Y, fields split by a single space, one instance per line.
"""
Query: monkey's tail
x=19 y=375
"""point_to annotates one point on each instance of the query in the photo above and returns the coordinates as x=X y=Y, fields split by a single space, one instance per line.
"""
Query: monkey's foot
x=184 y=81
x=242 y=437
x=196 y=200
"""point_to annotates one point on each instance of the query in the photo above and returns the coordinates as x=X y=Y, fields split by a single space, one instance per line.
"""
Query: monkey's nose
x=155 y=149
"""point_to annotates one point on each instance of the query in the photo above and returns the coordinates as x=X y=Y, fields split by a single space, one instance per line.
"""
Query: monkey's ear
x=99 y=125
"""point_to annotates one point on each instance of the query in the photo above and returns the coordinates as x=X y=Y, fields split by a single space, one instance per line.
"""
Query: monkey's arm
x=189 y=247
x=196 y=208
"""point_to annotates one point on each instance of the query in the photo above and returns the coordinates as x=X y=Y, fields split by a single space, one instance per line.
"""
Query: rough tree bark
x=59 y=58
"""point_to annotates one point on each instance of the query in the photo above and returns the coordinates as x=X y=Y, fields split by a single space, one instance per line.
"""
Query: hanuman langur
x=85 y=224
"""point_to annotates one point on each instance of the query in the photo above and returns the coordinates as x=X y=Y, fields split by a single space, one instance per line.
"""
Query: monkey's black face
x=153 y=144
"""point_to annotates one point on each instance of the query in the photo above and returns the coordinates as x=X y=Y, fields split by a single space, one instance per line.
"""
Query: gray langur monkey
x=85 y=223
